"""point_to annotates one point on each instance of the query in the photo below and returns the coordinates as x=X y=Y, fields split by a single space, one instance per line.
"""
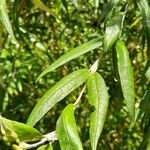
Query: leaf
x=145 y=104
x=98 y=97
x=65 y=4
x=96 y=4
x=80 y=50
x=67 y=130
x=59 y=91
x=46 y=147
x=43 y=7
x=5 y=19
x=147 y=74
x=19 y=132
x=145 y=11
x=126 y=77
x=107 y=9
x=113 y=29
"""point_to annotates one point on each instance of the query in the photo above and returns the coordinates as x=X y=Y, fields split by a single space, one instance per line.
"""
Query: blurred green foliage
x=43 y=37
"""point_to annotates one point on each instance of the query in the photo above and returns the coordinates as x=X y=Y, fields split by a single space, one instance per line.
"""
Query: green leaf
x=145 y=12
x=46 y=147
x=126 y=77
x=19 y=132
x=98 y=97
x=145 y=104
x=59 y=91
x=107 y=8
x=67 y=130
x=5 y=19
x=147 y=74
x=113 y=29
x=80 y=50
x=43 y=7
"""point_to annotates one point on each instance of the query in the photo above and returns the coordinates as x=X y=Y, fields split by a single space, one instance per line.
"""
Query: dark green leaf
x=57 y=93
x=126 y=77
x=145 y=104
x=98 y=97
x=67 y=130
x=107 y=8
x=113 y=29
x=15 y=131
x=145 y=12
x=80 y=50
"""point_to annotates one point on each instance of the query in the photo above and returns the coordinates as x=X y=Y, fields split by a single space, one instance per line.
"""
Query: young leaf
x=113 y=29
x=98 y=97
x=19 y=132
x=126 y=77
x=67 y=130
x=5 y=19
x=46 y=147
x=80 y=50
x=57 y=93
x=107 y=8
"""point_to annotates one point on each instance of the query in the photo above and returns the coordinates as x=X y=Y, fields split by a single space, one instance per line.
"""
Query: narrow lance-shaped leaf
x=59 y=91
x=113 y=29
x=19 y=132
x=107 y=8
x=145 y=104
x=5 y=19
x=145 y=12
x=67 y=130
x=74 y=53
x=98 y=97
x=96 y=5
x=126 y=77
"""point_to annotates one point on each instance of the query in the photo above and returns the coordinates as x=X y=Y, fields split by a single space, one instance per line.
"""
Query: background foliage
x=43 y=36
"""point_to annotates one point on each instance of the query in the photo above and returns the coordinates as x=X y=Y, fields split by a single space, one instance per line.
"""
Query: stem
x=48 y=137
x=79 y=97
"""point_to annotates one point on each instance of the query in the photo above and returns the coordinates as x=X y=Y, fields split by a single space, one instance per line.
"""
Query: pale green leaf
x=98 y=97
x=107 y=8
x=15 y=131
x=96 y=4
x=113 y=29
x=67 y=130
x=126 y=77
x=46 y=147
x=4 y=18
x=80 y=50
x=59 y=91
